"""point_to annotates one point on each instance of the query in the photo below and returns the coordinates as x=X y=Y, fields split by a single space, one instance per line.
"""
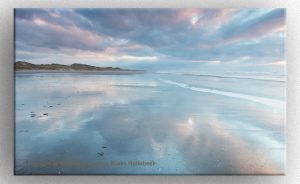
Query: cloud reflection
x=192 y=135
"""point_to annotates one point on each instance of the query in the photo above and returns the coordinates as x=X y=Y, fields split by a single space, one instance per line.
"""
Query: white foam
x=248 y=77
x=266 y=101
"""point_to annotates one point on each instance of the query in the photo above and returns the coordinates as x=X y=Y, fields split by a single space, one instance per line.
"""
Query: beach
x=82 y=122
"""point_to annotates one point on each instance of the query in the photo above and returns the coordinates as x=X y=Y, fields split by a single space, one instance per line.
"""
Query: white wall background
x=7 y=92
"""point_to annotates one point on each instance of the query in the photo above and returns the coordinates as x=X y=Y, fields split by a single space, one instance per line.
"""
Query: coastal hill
x=23 y=66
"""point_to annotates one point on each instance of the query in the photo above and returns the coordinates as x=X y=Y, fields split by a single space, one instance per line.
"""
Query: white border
x=7 y=91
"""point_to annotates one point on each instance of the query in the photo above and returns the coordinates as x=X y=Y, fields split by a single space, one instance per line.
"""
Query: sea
x=149 y=123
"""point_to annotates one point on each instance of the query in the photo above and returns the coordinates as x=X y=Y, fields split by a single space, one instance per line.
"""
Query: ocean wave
x=262 y=100
x=262 y=78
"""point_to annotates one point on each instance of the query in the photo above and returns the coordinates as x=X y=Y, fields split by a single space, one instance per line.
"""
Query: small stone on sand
x=100 y=153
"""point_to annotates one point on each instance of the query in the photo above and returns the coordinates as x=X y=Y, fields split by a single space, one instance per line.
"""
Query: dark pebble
x=100 y=153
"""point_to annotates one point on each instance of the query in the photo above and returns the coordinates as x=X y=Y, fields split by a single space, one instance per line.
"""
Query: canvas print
x=150 y=91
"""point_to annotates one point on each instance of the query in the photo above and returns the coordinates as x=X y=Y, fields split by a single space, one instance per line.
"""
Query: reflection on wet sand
x=101 y=119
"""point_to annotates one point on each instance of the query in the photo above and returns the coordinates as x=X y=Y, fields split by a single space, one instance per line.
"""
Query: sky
x=164 y=40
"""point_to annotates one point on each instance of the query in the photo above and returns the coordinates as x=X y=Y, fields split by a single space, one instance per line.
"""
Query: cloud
x=152 y=34
x=270 y=22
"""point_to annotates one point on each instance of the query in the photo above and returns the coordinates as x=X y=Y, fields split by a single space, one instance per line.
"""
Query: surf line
x=265 y=101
